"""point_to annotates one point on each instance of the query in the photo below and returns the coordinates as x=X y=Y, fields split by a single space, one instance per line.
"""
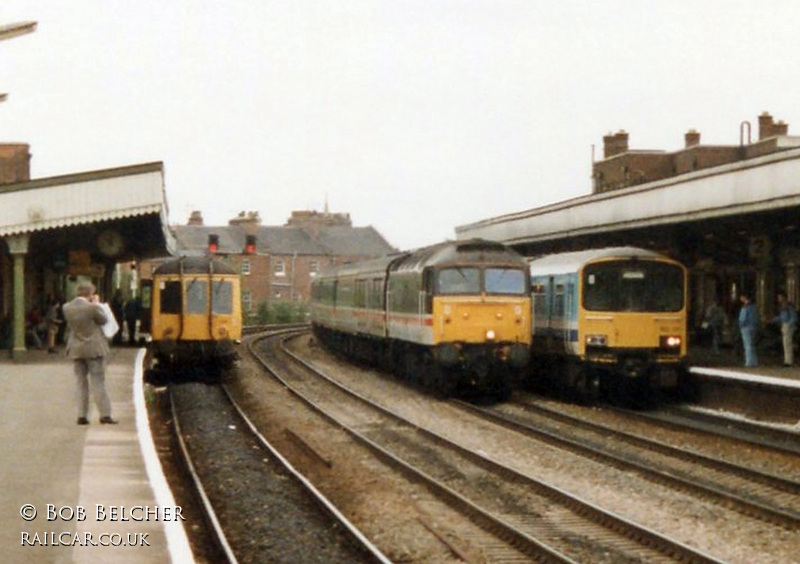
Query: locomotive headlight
x=597 y=340
x=490 y=335
x=670 y=341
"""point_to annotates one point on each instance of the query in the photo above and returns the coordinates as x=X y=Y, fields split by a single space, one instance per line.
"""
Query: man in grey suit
x=88 y=347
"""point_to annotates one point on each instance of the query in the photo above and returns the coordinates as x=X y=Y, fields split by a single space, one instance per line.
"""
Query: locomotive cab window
x=196 y=296
x=170 y=297
x=222 y=297
x=639 y=287
x=505 y=281
x=459 y=281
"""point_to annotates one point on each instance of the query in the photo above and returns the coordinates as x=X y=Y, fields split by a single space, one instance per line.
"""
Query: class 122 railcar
x=193 y=307
x=454 y=317
x=609 y=323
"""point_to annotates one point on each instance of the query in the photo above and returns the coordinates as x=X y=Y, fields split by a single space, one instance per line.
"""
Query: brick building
x=622 y=167
x=15 y=159
x=282 y=260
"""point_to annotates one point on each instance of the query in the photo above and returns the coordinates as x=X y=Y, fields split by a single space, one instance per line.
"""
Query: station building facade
x=729 y=213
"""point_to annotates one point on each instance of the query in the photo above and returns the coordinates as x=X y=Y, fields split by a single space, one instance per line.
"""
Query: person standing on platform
x=748 y=326
x=133 y=309
x=787 y=317
x=87 y=347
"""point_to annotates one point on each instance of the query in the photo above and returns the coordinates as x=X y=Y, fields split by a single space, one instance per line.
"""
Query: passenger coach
x=609 y=321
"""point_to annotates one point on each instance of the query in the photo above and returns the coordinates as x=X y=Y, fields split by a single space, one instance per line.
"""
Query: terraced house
x=278 y=263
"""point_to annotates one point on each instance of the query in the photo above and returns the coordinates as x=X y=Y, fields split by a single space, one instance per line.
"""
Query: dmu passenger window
x=505 y=281
x=459 y=281
x=633 y=286
x=540 y=299
x=197 y=297
x=222 y=297
x=170 y=297
x=558 y=301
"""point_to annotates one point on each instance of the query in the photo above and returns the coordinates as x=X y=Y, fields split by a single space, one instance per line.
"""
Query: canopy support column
x=18 y=247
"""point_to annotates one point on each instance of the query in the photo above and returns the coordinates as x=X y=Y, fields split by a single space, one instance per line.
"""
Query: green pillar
x=18 y=247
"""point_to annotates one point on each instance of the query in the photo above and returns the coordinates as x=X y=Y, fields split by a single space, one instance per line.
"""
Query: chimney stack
x=692 y=138
x=196 y=218
x=615 y=144
x=765 y=126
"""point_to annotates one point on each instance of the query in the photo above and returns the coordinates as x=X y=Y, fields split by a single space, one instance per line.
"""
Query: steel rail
x=743 y=505
x=208 y=509
x=323 y=501
x=621 y=526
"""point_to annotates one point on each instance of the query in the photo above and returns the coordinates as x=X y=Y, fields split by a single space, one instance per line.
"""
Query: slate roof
x=192 y=240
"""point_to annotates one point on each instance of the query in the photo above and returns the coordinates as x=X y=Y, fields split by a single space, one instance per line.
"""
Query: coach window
x=540 y=299
x=170 y=297
x=361 y=293
x=377 y=293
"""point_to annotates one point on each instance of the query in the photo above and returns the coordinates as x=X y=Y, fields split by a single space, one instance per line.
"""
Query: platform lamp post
x=9 y=31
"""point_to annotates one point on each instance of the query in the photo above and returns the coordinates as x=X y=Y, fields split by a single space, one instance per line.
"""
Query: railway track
x=773 y=499
x=258 y=507
x=519 y=514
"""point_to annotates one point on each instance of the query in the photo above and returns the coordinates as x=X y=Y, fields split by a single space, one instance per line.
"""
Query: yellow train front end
x=480 y=320
x=196 y=316
x=497 y=326
x=637 y=342
x=632 y=320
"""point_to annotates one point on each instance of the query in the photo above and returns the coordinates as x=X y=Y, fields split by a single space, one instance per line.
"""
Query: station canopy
x=113 y=214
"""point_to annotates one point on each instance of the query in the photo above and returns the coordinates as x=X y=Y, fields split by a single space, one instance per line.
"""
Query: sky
x=413 y=116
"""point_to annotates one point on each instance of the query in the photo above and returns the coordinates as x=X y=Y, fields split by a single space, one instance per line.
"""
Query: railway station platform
x=81 y=493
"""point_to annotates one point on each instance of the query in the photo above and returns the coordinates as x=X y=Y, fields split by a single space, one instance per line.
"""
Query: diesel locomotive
x=194 y=316
x=609 y=322
x=454 y=317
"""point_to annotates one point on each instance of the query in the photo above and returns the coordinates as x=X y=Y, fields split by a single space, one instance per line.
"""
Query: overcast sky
x=414 y=116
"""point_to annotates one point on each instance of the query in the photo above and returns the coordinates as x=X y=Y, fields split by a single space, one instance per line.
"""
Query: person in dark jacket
x=133 y=309
x=748 y=326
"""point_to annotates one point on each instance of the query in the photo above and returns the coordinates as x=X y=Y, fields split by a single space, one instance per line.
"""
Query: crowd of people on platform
x=750 y=330
x=46 y=330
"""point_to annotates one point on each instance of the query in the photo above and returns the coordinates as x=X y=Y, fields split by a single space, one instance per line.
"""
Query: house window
x=247 y=300
x=246 y=266
x=280 y=268
x=313 y=267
